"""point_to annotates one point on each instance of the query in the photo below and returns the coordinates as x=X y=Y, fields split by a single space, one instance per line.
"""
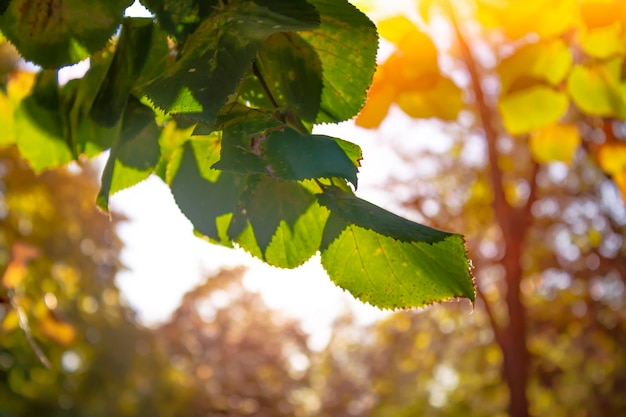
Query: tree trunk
x=513 y=224
x=513 y=341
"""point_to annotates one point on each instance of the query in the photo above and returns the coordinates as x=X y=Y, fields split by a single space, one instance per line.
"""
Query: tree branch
x=501 y=207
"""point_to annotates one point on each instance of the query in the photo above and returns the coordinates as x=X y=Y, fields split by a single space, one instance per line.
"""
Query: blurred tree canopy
x=528 y=97
x=78 y=350
x=528 y=161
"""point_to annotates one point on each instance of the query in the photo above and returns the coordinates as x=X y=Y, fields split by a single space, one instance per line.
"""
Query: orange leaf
x=17 y=270
x=57 y=330
x=443 y=100
x=598 y=13
x=379 y=98
x=612 y=157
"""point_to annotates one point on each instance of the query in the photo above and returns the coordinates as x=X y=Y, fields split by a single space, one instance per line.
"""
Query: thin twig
x=257 y=72
x=24 y=325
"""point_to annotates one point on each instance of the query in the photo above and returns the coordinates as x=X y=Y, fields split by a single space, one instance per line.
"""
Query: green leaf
x=597 y=89
x=248 y=148
x=291 y=71
x=292 y=156
x=219 y=52
x=85 y=135
x=134 y=154
x=180 y=18
x=40 y=128
x=206 y=196
x=278 y=221
x=346 y=43
x=389 y=261
x=292 y=245
x=532 y=108
x=56 y=33
x=130 y=56
x=241 y=146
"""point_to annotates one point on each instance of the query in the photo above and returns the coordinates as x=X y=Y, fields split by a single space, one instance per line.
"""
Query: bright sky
x=165 y=260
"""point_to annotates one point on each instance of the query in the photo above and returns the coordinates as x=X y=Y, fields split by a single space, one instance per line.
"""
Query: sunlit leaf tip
x=388 y=261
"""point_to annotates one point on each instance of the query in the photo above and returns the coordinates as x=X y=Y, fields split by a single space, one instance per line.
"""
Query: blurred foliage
x=79 y=350
x=100 y=362
x=235 y=356
x=530 y=169
x=224 y=353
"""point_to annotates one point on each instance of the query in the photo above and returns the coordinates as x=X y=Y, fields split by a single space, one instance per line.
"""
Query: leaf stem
x=257 y=72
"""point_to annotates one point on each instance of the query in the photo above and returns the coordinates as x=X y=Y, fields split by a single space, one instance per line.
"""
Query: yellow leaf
x=596 y=89
x=547 y=61
x=546 y=18
x=20 y=84
x=6 y=121
x=395 y=28
x=11 y=321
x=603 y=42
x=612 y=157
x=443 y=100
x=556 y=142
x=532 y=108
x=415 y=58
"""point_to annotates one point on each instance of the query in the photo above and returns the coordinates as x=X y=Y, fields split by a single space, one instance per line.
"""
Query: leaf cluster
x=219 y=99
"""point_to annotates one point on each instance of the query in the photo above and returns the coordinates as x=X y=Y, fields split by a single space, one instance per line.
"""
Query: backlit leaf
x=134 y=154
x=389 y=261
x=444 y=100
x=532 y=108
x=180 y=17
x=56 y=33
x=596 y=89
x=204 y=195
x=130 y=56
x=547 y=61
x=279 y=221
x=604 y=42
x=40 y=130
x=219 y=52
x=292 y=71
x=346 y=42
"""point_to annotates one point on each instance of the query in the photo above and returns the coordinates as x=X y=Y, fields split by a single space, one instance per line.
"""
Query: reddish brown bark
x=513 y=223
